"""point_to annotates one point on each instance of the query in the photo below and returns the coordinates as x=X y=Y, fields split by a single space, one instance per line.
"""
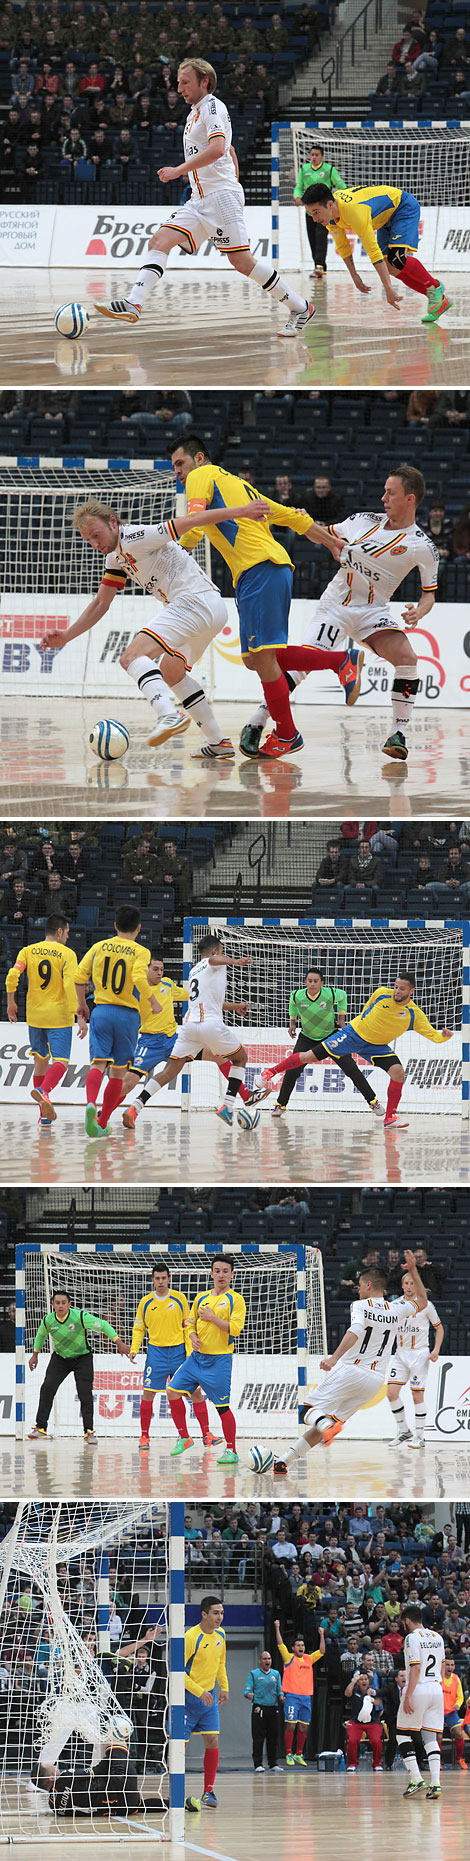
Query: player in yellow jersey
x=51 y=1007
x=205 y=1667
x=158 y=1029
x=163 y=1317
x=117 y=969
x=386 y=220
x=388 y=1013
x=262 y=576
x=217 y=1317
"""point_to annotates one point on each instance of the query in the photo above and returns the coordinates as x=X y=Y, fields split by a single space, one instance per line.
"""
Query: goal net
x=50 y=574
x=109 y=1280
x=80 y=1585
x=359 y=958
x=431 y=161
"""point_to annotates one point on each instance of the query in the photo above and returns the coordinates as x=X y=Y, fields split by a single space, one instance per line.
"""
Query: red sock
x=111 y=1098
x=243 y=1091
x=38 y=1079
x=228 y=1424
x=308 y=659
x=54 y=1073
x=93 y=1083
x=289 y=1737
x=211 y=1759
x=301 y=1737
x=200 y=1411
x=146 y=1408
x=393 y=1096
x=415 y=275
x=459 y=1745
x=178 y=1414
x=276 y=693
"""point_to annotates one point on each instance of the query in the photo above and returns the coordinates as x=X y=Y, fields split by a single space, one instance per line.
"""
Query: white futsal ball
x=247 y=1119
x=72 y=320
x=109 y=739
x=261 y=1460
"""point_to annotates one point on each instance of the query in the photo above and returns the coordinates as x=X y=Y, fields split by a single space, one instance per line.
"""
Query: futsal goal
x=50 y=574
x=78 y=1582
x=431 y=160
x=358 y=956
x=281 y=1282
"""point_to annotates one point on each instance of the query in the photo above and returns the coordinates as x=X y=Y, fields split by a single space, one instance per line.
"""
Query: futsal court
x=203 y=329
x=47 y=766
x=291 y=1817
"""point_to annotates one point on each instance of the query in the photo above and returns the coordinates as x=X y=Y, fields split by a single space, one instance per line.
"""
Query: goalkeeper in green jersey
x=69 y=1329
x=316 y=169
x=317 y=1007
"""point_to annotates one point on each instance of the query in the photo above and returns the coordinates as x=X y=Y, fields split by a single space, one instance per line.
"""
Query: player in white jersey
x=161 y=655
x=421 y=1706
x=204 y=1026
x=215 y=210
x=410 y=1364
x=357 y=1369
x=379 y=551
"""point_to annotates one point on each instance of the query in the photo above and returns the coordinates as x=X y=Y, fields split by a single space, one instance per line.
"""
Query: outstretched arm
x=91 y=615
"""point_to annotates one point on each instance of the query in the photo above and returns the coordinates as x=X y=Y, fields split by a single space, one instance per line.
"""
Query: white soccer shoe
x=120 y=311
x=173 y=724
x=278 y=1111
x=298 y=323
x=215 y=752
x=377 y=1108
x=417 y=1441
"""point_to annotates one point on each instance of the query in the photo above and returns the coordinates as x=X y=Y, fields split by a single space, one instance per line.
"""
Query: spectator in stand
x=390 y=85
x=459 y=87
x=125 y=150
x=74 y=148
x=264 y=87
x=316 y=169
x=424 y=873
x=13 y=858
x=139 y=860
x=307 y=23
x=439 y=527
x=364 y=1706
x=145 y=116
x=25 y=80
x=16 y=902
x=172 y=408
x=173 y=869
x=365 y=867
x=71 y=80
x=100 y=150
x=406 y=48
x=461 y=535
x=429 y=56
x=93 y=84
x=121 y=110
x=56 y=897
x=455 y=878
x=263 y=1688
x=32 y=169
x=413 y=81
x=456 y=51
x=419 y=407
x=48 y=81
x=322 y=503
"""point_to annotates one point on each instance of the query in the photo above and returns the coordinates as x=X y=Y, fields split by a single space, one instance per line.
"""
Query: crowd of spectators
x=428 y=64
x=429 y=862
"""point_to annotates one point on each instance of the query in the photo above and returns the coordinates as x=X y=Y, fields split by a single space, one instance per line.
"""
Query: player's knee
x=126 y=658
x=396 y=261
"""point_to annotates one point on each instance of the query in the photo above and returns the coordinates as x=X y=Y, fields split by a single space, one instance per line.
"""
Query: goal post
x=430 y=160
x=281 y=1282
x=357 y=955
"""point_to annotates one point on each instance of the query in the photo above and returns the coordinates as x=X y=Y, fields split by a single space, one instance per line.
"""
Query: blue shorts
x=113 y=1033
x=263 y=595
x=213 y=1373
x=151 y=1049
x=347 y=1040
x=50 y=1043
x=402 y=229
x=200 y=1718
x=297 y=1708
x=160 y=1363
x=451 y=1718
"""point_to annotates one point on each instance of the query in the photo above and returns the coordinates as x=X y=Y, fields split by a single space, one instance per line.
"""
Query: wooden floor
x=364 y=1470
x=216 y=330
x=47 y=767
x=295 y=1816
x=170 y=1147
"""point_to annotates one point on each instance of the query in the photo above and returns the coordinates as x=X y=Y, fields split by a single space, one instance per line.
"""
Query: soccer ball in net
x=261 y=1459
x=247 y=1119
x=109 y=739
x=72 y=320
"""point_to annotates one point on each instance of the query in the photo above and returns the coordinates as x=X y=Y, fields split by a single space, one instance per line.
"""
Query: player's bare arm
x=236 y=1008
x=229 y=962
x=412 y=615
x=257 y=510
x=393 y=297
x=438 y=1342
x=346 y=1343
x=91 y=615
x=421 y=1295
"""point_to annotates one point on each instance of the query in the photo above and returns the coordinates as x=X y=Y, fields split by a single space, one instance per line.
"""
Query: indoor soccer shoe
x=38 y=1434
x=280 y=1466
x=298 y=323
x=251 y=738
x=414 y=1789
x=173 y=725
x=208 y=1800
x=90 y=1438
x=395 y=1123
x=224 y=1113
x=181 y=1445
x=215 y=752
x=209 y=1440
x=120 y=311
x=48 y=1115
x=91 y=1122
x=438 y=303
x=258 y=1094
x=290 y=1759
x=228 y=1458
x=279 y=1111
x=329 y=1433
x=395 y=746
x=275 y=746
x=103 y=1130
x=376 y=1106
x=432 y=1795
x=144 y=1441
x=298 y=1759
x=417 y=1441
x=129 y=1117
x=350 y=675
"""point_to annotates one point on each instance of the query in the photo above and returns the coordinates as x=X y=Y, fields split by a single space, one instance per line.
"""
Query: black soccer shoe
x=251 y=738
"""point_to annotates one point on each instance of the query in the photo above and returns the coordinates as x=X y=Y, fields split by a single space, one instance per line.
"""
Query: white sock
x=192 y=698
x=409 y=1757
x=152 y=686
x=260 y=717
x=398 y=1410
x=404 y=690
x=235 y=1078
x=151 y=273
x=420 y=1417
x=300 y=1447
x=266 y=275
x=148 y=1091
x=433 y=1754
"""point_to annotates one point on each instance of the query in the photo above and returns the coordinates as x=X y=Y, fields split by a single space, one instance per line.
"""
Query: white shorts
x=188 y=624
x=345 y=623
x=411 y=1367
x=343 y=1390
x=220 y=217
x=428 y=1709
x=194 y=1035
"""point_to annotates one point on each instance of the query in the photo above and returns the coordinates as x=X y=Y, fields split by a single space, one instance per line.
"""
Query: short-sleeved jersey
x=207 y=119
x=51 y=969
x=376 y=559
x=117 y=967
x=167 y=993
x=152 y=556
x=243 y=544
x=297 y=1674
x=424 y=1649
x=383 y=1019
x=205 y=1660
x=228 y=1305
x=207 y=989
x=361 y=210
x=415 y=1334
x=318 y=1017
x=70 y=1335
x=376 y=1324
x=164 y=1319
x=310 y=177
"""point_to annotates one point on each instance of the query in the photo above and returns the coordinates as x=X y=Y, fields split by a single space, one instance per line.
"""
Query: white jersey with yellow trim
x=424 y=1648
x=415 y=1333
x=151 y=555
x=207 y=119
x=376 y=559
x=376 y=1324
x=207 y=989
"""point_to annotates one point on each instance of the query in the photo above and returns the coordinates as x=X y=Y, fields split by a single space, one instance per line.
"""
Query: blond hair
x=202 y=69
x=92 y=508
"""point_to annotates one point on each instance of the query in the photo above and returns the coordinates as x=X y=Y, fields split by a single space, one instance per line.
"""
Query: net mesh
x=431 y=162
x=78 y=1582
